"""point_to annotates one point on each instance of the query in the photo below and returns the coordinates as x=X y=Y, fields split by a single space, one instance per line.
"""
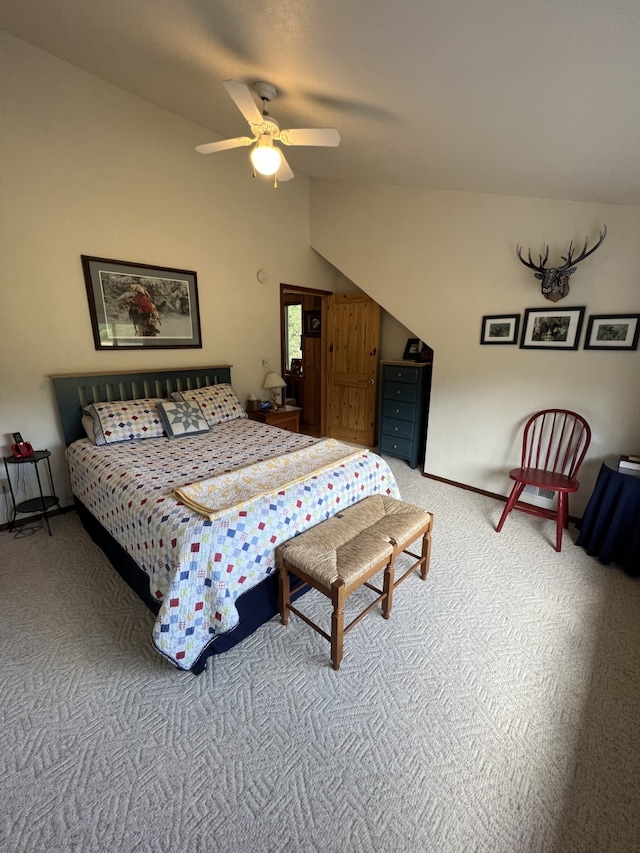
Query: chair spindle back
x=555 y=440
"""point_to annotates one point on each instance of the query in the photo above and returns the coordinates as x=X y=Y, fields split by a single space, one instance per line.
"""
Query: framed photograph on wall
x=612 y=332
x=551 y=328
x=135 y=306
x=312 y=324
x=500 y=329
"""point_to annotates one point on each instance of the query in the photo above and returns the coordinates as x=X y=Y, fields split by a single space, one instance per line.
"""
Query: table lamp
x=273 y=382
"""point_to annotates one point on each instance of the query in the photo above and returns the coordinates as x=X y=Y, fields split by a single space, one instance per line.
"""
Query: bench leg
x=426 y=553
x=285 y=593
x=387 y=587
x=337 y=623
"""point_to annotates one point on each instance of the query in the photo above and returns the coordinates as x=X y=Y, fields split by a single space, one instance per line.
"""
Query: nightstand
x=286 y=417
x=32 y=505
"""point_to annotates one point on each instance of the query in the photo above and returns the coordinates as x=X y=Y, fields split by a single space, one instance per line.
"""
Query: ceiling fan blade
x=224 y=144
x=325 y=136
x=243 y=100
x=284 y=173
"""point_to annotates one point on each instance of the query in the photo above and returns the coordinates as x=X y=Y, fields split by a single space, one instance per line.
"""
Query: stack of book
x=629 y=464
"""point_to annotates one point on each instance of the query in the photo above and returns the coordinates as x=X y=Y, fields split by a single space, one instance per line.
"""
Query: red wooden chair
x=554 y=444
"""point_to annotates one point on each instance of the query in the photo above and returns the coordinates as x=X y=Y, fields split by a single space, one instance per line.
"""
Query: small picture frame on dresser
x=416 y=350
x=412 y=349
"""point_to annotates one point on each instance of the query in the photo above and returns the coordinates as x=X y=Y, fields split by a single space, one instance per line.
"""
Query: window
x=293 y=337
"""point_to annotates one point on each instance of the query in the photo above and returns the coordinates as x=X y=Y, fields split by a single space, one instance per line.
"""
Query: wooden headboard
x=74 y=392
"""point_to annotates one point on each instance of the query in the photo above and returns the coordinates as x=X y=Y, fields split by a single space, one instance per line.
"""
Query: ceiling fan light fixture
x=265 y=158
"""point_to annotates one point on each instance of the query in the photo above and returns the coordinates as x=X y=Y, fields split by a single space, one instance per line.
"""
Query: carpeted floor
x=497 y=710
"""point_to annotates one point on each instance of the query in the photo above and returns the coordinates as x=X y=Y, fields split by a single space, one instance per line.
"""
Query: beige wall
x=393 y=334
x=90 y=169
x=438 y=261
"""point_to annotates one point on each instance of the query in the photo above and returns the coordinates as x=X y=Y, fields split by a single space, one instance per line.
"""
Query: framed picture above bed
x=134 y=306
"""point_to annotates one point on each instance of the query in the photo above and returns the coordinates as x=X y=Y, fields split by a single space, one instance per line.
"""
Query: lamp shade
x=273 y=380
x=265 y=158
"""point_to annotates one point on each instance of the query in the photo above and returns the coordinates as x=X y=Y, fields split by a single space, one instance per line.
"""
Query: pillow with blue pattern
x=219 y=403
x=182 y=418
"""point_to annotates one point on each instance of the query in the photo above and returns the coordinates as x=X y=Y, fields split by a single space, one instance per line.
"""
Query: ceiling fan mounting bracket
x=268 y=125
x=266 y=92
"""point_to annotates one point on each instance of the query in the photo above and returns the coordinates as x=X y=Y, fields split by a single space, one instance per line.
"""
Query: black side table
x=33 y=505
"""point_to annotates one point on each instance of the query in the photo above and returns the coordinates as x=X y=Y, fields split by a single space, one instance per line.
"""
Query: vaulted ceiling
x=522 y=97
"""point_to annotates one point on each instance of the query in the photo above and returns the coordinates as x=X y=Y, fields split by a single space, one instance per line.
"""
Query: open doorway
x=302 y=353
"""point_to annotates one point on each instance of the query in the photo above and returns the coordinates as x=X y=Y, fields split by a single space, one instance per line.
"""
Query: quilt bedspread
x=198 y=568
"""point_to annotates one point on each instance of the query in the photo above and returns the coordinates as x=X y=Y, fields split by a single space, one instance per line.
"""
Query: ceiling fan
x=265 y=157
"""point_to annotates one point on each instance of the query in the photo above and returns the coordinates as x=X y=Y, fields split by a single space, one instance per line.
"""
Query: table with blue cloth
x=610 y=526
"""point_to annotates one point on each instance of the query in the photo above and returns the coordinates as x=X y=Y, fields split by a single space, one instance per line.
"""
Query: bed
x=191 y=517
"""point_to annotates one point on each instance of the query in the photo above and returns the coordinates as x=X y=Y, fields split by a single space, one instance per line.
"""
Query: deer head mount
x=555 y=280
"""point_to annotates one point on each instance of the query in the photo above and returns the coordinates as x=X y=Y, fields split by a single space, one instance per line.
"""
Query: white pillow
x=88 y=424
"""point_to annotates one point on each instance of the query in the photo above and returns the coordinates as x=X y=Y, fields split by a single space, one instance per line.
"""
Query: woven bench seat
x=343 y=553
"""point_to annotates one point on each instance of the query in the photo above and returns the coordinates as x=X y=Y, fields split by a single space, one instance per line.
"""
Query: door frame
x=297 y=290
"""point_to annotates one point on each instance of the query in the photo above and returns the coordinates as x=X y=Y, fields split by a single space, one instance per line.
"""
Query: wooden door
x=352 y=324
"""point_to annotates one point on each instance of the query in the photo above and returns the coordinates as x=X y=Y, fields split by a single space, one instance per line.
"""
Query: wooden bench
x=343 y=553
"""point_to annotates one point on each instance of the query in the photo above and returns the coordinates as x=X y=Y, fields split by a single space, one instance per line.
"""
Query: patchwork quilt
x=198 y=566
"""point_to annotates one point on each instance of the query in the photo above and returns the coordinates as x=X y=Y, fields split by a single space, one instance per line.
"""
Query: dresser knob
x=395 y=429
x=395 y=446
x=398 y=391
x=397 y=411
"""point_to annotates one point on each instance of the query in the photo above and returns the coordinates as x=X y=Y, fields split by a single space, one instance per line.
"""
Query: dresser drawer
x=396 y=446
x=399 y=429
x=398 y=411
x=401 y=374
x=401 y=391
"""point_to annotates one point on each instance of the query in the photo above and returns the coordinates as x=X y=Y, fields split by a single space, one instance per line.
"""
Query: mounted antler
x=555 y=280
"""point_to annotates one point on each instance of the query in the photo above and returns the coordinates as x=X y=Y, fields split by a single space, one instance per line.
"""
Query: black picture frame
x=612 y=332
x=412 y=350
x=552 y=328
x=120 y=293
x=500 y=329
x=312 y=324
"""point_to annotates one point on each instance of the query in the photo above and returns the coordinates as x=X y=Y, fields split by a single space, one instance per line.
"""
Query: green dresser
x=405 y=387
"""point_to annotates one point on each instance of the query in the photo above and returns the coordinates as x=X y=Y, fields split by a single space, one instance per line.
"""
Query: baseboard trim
x=572 y=518
x=35 y=519
x=465 y=487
